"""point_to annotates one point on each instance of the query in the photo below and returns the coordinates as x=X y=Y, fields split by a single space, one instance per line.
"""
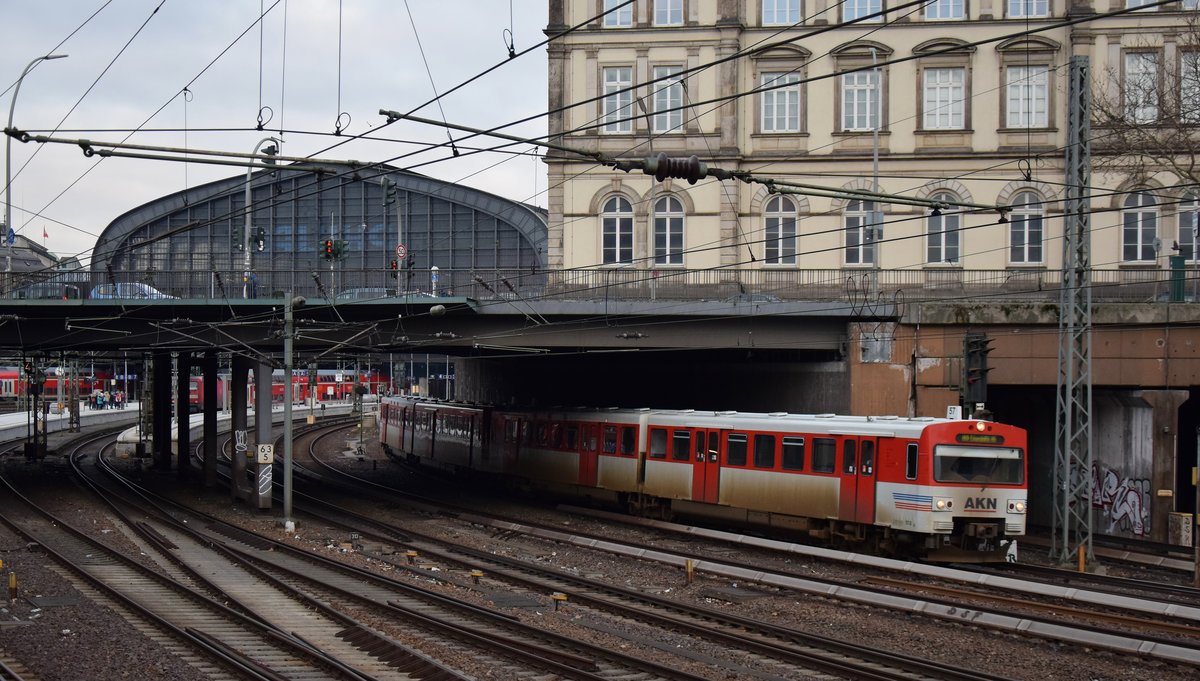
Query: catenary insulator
x=663 y=166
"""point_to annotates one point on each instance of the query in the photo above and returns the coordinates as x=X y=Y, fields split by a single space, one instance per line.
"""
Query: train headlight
x=943 y=504
x=1016 y=506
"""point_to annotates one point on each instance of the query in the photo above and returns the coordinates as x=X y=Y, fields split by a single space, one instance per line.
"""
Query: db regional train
x=330 y=385
x=943 y=489
x=13 y=384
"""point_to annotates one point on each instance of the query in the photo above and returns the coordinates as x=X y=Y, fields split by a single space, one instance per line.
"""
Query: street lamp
x=248 y=237
x=8 y=154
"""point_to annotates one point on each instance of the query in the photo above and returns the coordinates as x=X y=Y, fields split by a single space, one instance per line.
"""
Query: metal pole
x=8 y=153
x=1196 y=514
x=247 y=238
x=288 y=333
x=876 y=226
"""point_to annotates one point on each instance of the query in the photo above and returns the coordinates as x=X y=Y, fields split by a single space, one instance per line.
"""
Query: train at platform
x=13 y=383
x=934 y=488
x=330 y=384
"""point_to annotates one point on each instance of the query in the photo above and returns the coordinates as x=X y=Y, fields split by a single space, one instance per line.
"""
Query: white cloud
x=381 y=67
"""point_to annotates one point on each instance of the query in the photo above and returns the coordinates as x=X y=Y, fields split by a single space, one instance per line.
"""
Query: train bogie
x=937 y=487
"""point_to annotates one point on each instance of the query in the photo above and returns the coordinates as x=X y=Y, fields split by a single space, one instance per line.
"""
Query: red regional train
x=328 y=387
x=12 y=384
x=938 y=488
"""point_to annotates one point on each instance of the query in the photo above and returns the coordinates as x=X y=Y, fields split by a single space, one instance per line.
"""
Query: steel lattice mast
x=1072 y=529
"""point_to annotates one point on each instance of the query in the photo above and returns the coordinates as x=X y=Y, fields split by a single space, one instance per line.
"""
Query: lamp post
x=248 y=237
x=8 y=154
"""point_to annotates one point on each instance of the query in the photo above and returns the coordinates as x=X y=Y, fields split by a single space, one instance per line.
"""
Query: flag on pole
x=44 y=234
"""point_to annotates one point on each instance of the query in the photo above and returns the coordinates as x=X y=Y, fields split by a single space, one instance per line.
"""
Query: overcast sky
x=128 y=64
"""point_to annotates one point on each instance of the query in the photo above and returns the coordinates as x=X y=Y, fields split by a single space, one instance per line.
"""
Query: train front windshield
x=979 y=465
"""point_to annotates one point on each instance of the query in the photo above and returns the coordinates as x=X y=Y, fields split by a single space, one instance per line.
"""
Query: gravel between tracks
x=82 y=639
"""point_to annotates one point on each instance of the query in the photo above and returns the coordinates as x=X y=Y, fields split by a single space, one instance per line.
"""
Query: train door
x=514 y=429
x=857 y=498
x=706 y=471
x=865 y=511
x=589 y=454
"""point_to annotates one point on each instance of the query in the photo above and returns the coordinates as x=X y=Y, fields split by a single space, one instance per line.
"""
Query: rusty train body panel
x=950 y=489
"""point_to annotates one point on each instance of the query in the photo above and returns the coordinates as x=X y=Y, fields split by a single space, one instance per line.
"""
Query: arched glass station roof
x=192 y=244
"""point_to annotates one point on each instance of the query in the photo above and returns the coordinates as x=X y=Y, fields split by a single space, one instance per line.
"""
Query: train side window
x=824 y=454
x=589 y=438
x=849 y=456
x=867 y=458
x=512 y=431
x=658 y=443
x=572 y=437
x=610 y=439
x=629 y=441
x=764 y=451
x=735 y=449
x=910 y=463
x=543 y=434
x=681 y=442
x=793 y=453
x=526 y=433
x=700 y=446
x=556 y=436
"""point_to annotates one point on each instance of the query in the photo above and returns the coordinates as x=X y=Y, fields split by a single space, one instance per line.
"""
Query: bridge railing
x=615 y=283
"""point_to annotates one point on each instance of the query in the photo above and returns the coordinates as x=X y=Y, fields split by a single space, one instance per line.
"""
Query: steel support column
x=1073 y=461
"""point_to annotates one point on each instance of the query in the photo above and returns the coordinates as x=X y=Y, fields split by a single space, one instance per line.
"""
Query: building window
x=1189 y=87
x=780 y=232
x=780 y=102
x=621 y=18
x=1141 y=87
x=618 y=99
x=1139 y=228
x=1028 y=96
x=616 y=226
x=1189 y=4
x=668 y=12
x=1189 y=210
x=943 y=10
x=1132 y=4
x=1025 y=230
x=855 y=9
x=780 y=12
x=1028 y=9
x=944 y=99
x=668 y=99
x=860 y=248
x=860 y=100
x=668 y=231
x=943 y=234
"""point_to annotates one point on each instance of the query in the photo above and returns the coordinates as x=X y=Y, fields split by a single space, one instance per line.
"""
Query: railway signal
x=976 y=347
x=328 y=249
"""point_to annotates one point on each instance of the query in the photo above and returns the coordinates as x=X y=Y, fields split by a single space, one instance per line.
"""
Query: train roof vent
x=728 y=412
x=883 y=418
x=824 y=416
x=687 y=411
x=642 y=409
x=612 y=408
x=920 y=418
x=777 y=414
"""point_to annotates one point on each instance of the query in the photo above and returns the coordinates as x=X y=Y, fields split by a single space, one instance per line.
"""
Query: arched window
x=942 y=234
x=1139 y=228
x=616 y=220
x=1025 y=230
x=779 y=242
x=668 y=231
x=1189 y=209
x=862 y=232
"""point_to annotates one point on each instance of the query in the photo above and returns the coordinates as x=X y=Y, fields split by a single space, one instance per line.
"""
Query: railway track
x=1002 y=618
x=211 y=612
x=498 y=641
x=786 y=652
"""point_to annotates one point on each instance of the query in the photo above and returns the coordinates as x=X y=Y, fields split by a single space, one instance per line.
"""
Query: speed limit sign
x=401 y=251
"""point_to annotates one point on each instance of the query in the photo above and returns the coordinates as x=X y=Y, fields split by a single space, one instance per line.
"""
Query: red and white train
x=328 y=387
x=13 y=383
x=939 y=488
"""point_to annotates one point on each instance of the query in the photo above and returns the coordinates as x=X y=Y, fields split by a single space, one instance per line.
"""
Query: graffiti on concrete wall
x=1124 y=502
